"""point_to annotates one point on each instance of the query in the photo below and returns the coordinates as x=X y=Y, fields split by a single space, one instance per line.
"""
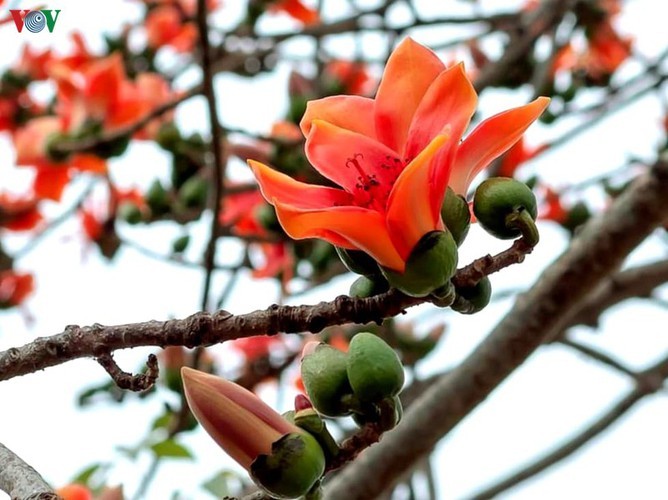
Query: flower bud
x=429 y=267
x=293 y=467
x=325 y=378
x=368 y=286
x=358 y=262
x=506 y=208
x=374 y=369
x=456 y=215
x=471 y=300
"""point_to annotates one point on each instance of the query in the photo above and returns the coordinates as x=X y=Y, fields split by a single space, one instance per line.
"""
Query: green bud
x=456 y=215
x=309 y=420
x=577 y=216
x=129 y=212
x=295 y=465
x=429 y=267
x=386 y=414
x=368 y=286
x=112 y=148
x=157 y=198
x=358 y=262
x=374 y=369
x=52 y=142
x=506 y=208
x=193 y=192
x=168 y=136
x=471 y=300
x=180 y=244
x=444 y=296
x=326 y=380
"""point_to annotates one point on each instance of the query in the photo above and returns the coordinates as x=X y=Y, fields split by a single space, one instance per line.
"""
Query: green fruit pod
x=326 y=380
x=456 y=215
x=368 y=286
x=295 y=465
x=471 y=300
x=429 y=267
x=374 y=369
x=358 y=262
x=499 y=202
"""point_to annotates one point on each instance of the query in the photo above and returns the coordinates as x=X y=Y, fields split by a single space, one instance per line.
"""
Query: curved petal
x=276 y=186
x=410 y=70
x=351 y=160
x=350 y=112
x=450 y=101
x=414 y=206
x=85 y=162
x=364 y=229
x=490 y=139
x=50 y=182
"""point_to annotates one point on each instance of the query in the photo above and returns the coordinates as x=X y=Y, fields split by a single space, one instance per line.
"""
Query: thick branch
x=204 y=329
x=21 y=481
x=601 y=248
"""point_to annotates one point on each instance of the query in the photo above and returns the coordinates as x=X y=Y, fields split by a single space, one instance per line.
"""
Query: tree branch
x=20 y=480
x=600 y=249
x=205 y=329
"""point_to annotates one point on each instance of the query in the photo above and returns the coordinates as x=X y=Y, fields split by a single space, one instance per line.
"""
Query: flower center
x=373 y=189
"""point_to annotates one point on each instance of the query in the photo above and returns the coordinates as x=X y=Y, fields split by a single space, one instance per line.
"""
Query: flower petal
x=350 y=159
x=410 y=70
x=363 y=229
x=350 y=112
x=414 y=206
x=490 y=139
x=50 y=182
x=276 y=186
x=450 y=101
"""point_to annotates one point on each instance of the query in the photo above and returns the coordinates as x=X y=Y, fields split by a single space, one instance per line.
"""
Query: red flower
x=296 y=10
x=353 y=77
x=516 y=156
x=393 y=156
x=33 y=64
x=256 y=347
x=75 y=492
x=18 y=213
x=14 y=288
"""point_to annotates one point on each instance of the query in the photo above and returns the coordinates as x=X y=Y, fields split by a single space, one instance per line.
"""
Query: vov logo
x=35 y=20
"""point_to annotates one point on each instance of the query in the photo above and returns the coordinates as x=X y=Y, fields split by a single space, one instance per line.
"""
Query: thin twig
x=124 y=380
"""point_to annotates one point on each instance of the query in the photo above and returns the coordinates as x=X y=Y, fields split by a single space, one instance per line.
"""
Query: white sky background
x=549 y=398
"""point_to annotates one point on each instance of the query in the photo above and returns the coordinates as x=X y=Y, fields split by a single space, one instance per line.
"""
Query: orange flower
x=14 y=288
x=165 y=26
x=33 y=64
x=75 y=492
x=296 y=10
x=18 y=214
x=51 y=177
x=393 y=156
x=351 y=76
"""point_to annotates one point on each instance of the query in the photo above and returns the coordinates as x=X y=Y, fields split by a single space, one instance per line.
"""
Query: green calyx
x=293 y=468
x=429 y=267
x=456 y=215
x=368 y=286
x=506 y=208
x=471 y=300
x=326 y=380
x=358 y=262
x=374 y=370
x=310 y=421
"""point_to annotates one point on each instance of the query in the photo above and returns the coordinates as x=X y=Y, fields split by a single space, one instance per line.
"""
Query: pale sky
x=549 y=398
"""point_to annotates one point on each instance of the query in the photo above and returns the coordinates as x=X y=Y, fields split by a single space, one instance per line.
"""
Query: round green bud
x=368 y=286
x=456 y=215
x=471 y=300
x=358 y=262
x=52 y=144
x=157 y=198
x=129 y=212
x=499 y=198
x=180 y=244
x=374 y=369
x=293 y=468
x=429 y=267
x=326 y=380
x=168 y=136
x=193 y=193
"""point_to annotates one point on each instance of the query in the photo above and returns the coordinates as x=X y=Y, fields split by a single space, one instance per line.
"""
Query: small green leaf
x=85 y=475
x=222 y=485
x=172 y=449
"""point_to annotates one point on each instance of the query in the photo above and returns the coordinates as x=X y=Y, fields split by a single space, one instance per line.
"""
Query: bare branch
x=125 y=380
x=600 y=249
x=205 y=329
x=20 y=480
